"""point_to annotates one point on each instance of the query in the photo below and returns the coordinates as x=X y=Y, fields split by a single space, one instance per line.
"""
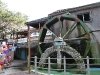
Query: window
x=84 y=16
x=80 y=17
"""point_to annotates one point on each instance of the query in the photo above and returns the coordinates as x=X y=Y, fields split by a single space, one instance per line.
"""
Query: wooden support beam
x=29 y=69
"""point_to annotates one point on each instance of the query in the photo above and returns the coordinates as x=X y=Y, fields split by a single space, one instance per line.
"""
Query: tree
x=10 y=21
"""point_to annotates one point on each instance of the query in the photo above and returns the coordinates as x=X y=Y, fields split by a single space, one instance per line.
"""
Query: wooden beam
x=29 y=55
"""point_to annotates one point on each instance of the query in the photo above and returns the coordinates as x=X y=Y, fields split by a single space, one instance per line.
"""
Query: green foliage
x=10 y=21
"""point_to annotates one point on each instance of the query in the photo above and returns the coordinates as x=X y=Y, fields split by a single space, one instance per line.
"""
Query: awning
x=36 y=23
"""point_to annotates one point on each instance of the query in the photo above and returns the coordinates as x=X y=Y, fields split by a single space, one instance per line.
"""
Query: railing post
x=35 y=64
x=88 y=66
x=49 y=66
x=64 y=65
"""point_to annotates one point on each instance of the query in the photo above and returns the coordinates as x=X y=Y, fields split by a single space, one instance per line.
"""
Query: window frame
x=82 y=14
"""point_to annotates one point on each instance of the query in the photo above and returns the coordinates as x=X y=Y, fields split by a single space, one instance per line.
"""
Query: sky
x=36 y=9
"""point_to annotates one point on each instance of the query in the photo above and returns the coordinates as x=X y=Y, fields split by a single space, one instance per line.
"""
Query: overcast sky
x=36 y=9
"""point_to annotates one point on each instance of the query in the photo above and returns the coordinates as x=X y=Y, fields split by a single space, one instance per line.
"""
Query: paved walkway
x=22 y=73
x=16 y=72
x=17 y=68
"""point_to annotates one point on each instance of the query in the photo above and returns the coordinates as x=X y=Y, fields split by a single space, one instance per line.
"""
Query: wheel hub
x=58 y=42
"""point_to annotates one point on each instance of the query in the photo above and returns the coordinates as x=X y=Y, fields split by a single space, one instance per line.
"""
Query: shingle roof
x=35 y=23
x=70 y=10
x=89 y=6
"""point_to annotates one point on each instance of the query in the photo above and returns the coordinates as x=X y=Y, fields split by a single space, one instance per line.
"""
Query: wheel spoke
x=70 y=30
x=39 y=48
x=51 y=32
x=61 y=28
x=73 y=39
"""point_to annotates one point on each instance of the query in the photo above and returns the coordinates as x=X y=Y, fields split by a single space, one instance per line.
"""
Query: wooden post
x=88 y=66
x=29 y=69
x=39 y=48
x=35 y=64
x=48 y=65
x=39 y=27
x=64 y=65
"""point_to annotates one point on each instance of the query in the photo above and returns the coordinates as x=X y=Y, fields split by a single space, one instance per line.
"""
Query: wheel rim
x=65 y=36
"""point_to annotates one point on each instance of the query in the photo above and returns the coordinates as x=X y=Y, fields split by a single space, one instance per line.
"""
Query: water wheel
x=67 y=30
